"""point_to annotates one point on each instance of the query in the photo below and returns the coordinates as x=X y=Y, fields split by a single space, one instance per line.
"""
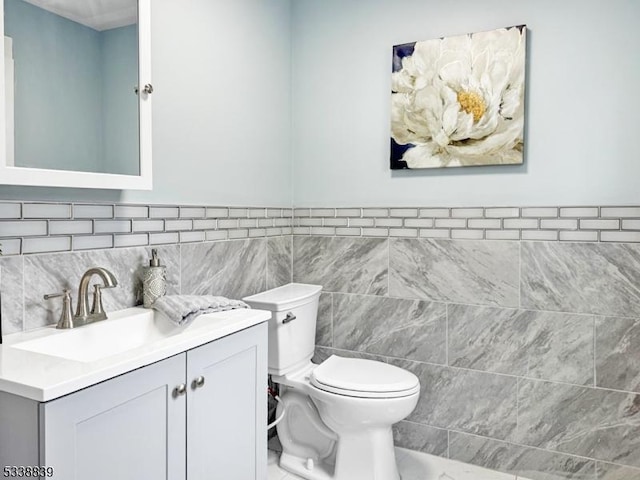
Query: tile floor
x=415 y=466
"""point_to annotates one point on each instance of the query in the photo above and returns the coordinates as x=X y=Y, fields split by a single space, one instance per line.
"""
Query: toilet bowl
x=338 y=414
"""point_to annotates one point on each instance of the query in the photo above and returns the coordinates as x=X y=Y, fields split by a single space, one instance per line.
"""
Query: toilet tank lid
x=284 y=298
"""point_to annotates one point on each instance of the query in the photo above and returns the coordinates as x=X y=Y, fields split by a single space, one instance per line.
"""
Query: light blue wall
x=221 y=107
x=119 y=76
x=222 y=102
x=58 y=95
x=583 y=102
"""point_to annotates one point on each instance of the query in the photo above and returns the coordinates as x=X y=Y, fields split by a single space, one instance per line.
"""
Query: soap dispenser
x=154 y=281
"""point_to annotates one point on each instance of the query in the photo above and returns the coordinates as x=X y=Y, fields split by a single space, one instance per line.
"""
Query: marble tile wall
x=528 y=352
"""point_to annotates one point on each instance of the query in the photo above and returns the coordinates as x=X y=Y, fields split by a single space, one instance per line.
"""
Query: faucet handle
x=97 y=308
x=66 y=317
x=49 y=296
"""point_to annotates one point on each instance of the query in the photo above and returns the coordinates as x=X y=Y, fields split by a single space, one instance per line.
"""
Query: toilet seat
x=355 y=377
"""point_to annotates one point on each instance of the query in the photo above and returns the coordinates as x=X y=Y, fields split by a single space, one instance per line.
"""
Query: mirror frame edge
x=11 y=175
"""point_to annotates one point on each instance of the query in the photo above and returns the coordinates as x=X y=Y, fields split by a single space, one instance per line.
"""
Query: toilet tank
x=292 y=327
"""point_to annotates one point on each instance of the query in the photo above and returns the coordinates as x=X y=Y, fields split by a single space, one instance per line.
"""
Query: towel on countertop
x=183 y=309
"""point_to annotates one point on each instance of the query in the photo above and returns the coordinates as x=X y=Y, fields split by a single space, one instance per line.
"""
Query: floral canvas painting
x=459 y=101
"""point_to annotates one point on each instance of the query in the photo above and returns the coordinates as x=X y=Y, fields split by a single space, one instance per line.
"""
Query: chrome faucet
x=83 y=315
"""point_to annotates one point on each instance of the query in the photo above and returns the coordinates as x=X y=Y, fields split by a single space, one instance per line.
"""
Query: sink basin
x=46 y=363
x=120 y=333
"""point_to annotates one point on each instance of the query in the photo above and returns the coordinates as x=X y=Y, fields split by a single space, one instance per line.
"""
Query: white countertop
x=43 y=377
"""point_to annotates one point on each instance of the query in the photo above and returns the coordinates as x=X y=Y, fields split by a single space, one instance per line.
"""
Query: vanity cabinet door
x=131 y=427
x=226 y=408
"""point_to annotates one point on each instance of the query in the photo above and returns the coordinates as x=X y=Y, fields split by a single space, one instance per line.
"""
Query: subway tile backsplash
x=92 y=242
x=46 y=210
x=192 y=212
x=563 y=223
x=47 y=263
x=164 y=212
x=112 y=226
x=66 y=227
x=46 y=244
x=11 y=246
x=148 y=225
x=10 y=210
x=70 y=227
x=23 y=228
x=162 y=238
x=131 y=211
x=93 y=211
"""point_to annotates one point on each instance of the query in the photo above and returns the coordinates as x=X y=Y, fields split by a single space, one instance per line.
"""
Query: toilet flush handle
x=289 y=318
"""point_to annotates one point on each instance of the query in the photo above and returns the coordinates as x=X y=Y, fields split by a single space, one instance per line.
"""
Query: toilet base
x=366 y=455
x=298 y=466
x=362 y=455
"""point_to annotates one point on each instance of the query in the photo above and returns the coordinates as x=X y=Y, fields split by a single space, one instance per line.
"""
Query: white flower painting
x=459 y=101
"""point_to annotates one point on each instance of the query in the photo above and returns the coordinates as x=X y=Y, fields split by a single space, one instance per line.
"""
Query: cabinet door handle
x=198 y=382
x=179 y=390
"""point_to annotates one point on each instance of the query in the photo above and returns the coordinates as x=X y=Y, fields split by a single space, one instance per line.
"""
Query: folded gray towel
x=182 y=309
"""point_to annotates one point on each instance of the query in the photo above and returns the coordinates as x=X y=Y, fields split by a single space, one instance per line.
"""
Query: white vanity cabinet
x=199 y=415
x=226 y=416
x=130 y=427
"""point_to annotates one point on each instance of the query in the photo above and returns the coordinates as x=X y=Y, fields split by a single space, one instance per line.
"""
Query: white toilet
x=338 y=414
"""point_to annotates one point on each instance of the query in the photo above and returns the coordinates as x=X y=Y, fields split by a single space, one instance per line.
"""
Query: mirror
x=74 y=115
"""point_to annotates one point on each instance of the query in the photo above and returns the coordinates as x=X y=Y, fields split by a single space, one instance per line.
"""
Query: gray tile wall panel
x=475 y=272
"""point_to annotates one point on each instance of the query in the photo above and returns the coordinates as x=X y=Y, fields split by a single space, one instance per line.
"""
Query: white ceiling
x=97 y=14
